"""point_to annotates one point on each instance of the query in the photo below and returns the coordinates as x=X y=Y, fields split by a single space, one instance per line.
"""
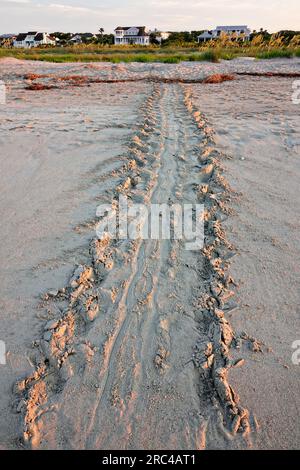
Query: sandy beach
x=142 y=344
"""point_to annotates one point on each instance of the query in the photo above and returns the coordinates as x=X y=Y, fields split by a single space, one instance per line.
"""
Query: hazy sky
x=88 y=15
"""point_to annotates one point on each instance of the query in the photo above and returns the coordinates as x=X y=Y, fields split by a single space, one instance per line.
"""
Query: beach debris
x=39 y=87
x=219 y=78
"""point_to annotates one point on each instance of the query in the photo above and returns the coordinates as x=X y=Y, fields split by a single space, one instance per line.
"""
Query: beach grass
x=168 y=55
x=275 y=54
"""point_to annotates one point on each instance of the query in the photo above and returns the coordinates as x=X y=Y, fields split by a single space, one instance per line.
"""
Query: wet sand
x=141 y=348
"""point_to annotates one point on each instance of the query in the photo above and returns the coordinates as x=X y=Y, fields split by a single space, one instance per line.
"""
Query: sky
x=166 y=15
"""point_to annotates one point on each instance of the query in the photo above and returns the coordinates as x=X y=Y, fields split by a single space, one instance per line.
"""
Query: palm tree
x=101 y=31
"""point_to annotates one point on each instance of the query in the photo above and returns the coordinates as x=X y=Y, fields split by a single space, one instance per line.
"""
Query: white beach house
x=160 y=35
x=125 y=35
x=80 y=38
x=240 y=32
x=33 y=39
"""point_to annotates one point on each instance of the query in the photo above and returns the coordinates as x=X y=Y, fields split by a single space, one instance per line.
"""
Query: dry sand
x=143 y=343
x=258 y=125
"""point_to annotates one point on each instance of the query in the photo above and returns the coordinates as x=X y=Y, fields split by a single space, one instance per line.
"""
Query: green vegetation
x=179 y=47
x=276 y=53
x=81 y=54
x=181 y=38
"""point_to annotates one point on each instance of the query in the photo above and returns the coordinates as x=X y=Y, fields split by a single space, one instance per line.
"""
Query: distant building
x=160 y=35
x=80 y=38
x=206 y=36
x=243 y=31
x=240 y=32
x=125 y=35
x=33 y=39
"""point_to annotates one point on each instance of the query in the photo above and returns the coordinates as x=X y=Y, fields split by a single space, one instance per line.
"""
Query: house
x=205 y=36
x=239 y=32
x=33 y=39
x=242 y=31
x=160 y=35
x=125 y=35
x=164 y=35
x=20 y=40
x=80 y=38
x=43 y=39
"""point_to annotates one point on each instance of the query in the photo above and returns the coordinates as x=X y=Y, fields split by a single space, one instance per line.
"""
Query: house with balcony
x=33 y=39
x=126 y=35
x=238 y=32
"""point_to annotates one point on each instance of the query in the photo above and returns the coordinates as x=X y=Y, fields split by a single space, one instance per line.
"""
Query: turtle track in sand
x=141 y=354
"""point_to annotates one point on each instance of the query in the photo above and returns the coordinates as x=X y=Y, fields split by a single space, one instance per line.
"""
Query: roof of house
x=39 y=37
x=141 y=32
x=205 y=34
x=32 y=33
x=230 y=28
x=21 y=37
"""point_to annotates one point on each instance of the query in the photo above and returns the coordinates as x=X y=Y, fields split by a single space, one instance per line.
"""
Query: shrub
x=210 y=56
x=274 y=54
